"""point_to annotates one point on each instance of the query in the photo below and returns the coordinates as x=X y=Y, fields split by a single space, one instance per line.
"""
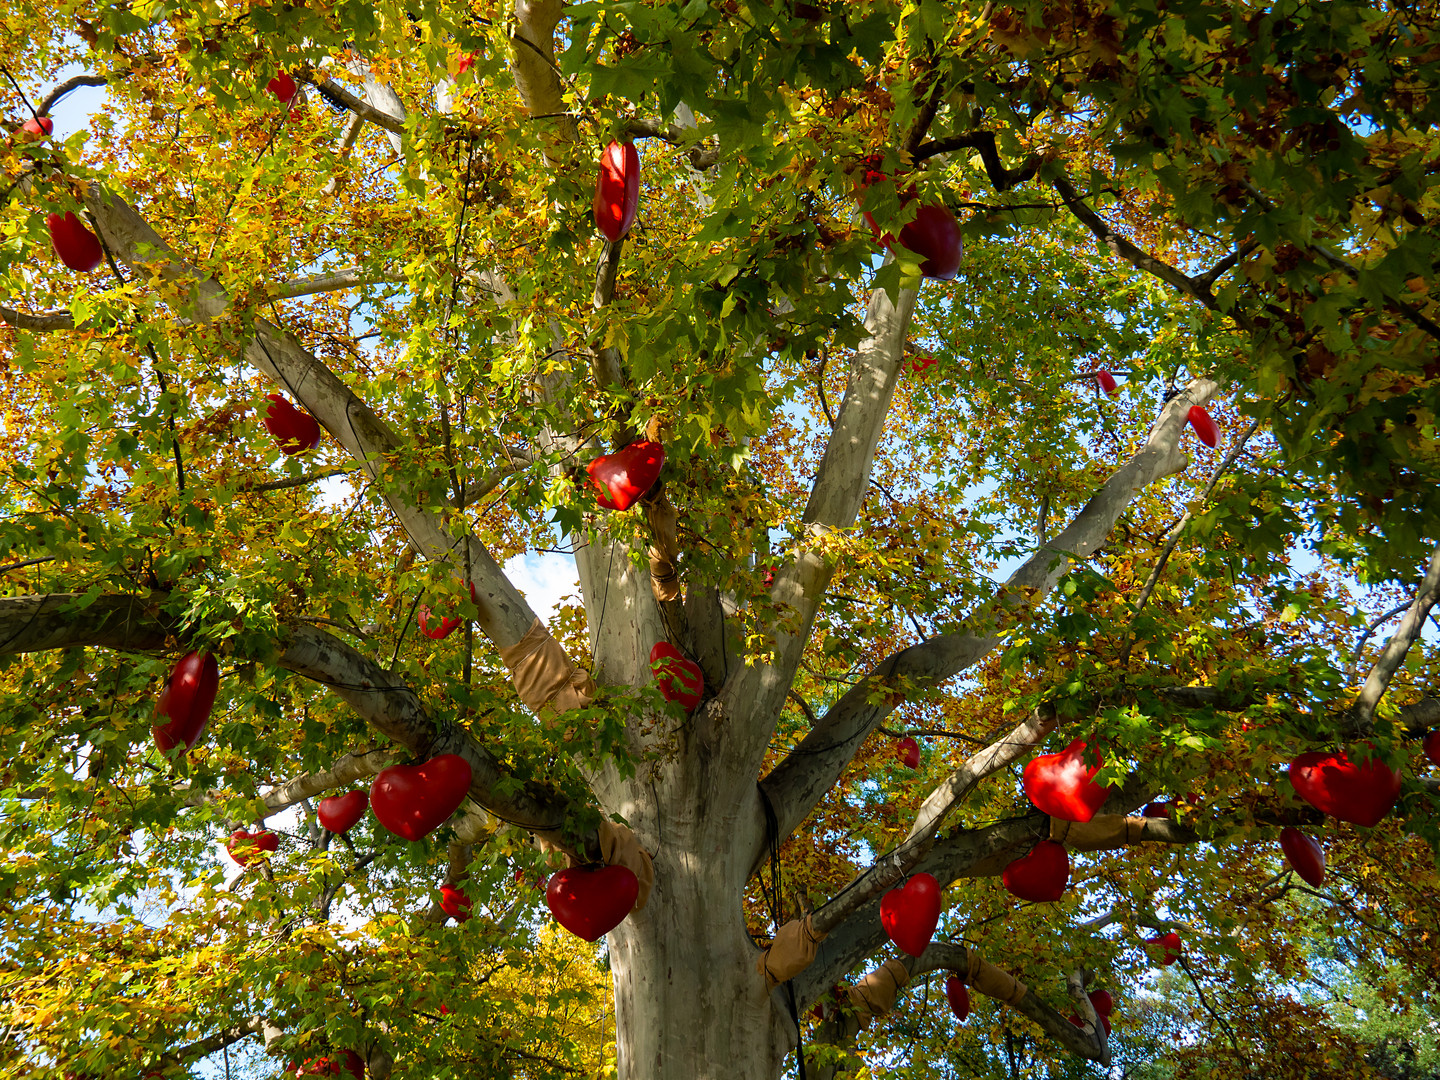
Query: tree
x=1231 y=207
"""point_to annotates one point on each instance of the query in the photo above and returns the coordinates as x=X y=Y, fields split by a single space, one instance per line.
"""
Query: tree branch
x=351 y=278
x=1001 y=178
x=337 y=95
x=44 y=322
x=1394 y=654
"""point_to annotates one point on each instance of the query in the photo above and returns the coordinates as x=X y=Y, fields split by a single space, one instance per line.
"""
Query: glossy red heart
x=1337 y=786
x=283 y=87
x=1431 y=746
x=1167 y=946
x=1040 y=876
x=907 y=751
x=958 y=995
x=617 y=190
x=455 y=903
x=678 y=678
x=1102 y=1002
x=324 y=1066
x=1063 y=786
x=1156 y=809
x=294 y=429
x=622 y=477
x=341 y=813
x=415 y=800
x=934 y=235
x=591 y=903
x=36 y=128
x=1304 y=854
x=246 y=847
x=76 y=245
x=186 y=701
x=909 y=913
x=446 y=626
x=1106 y=382
x=1205 y=429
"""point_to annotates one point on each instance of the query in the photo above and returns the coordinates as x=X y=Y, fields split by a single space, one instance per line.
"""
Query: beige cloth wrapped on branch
x=985 y=978
x=875 y=994
x=791 y=952
x=1108 y=832
x=664 y=578
x=618 y=847
x=544 y=676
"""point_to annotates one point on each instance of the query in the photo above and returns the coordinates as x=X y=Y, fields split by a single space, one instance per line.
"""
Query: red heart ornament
x=958 y=996
x=415 y=800
x=1040 y=876
x=455 y=903
x=1170 y=947
x=283 y=87
x=1335 y=785
x=1156 y=809
x=1431 y=746
x=1205 y=429
x=76 y=246
x=186 y=701
x=591 y=903
x=678 y=678
x=341 y=813
x=934 y=235
x=295 y=430
x=909 y=913
x=1107 y=382
x=617 y=190
x=1304 y=854
x=446 y=626
x=246 y=848
x=1063 y=786
x=1102 y=1002
x=907 y=750
x=622 y=477
x=37 y=127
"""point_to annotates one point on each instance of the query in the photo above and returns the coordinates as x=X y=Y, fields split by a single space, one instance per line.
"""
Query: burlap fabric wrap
x=985 y=978
x=543 y=675
x=1108 y=832
x=791 y=952
x=618 y=847
x=875 y=994
x=664 y=578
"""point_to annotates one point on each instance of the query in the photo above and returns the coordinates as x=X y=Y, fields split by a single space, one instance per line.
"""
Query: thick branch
x=351 y=278
x=44 y=322
x=1001 y=178
x=1394 y=654
x=347 y=770
x=336 y=94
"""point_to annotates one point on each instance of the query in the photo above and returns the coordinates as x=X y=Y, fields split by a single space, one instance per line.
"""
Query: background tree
x=888 y=506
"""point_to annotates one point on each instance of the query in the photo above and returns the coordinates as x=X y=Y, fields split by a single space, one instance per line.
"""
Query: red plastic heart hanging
x=1205 y=429
x=1063 y=786
x=1335 y=785
x=907 y=752
x=910 y=913
x=293 y=429
x=1165 y=949
x=247 y=848
x=341 y=813
x=1304 y=854
x=1102 y=1002
x=455 y=903
x=446 y=626
x=1431 y=746
x=1040 y=876
x=186 y=701
x=958 y=996
x=77 y=247
x=677 y=677
x=1106 y=382
x=622 y=477
x=590 y=903
x=414 y=800
x=617 y=190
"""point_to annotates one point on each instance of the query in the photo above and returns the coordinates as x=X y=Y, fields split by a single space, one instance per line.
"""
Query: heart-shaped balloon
x=1335 y=785
x=1040 y=876
x=247 y=848
x=340 y=813
x=1106 y=382
x=958 y=995
x=445 y=626
x=622 y=477
x=908 y=751
x=1431 y=746
x=186 y=701
x=591 y=903
x=617 y=190
x=1204 y=425
x=1063 y=786
x=1102 y=1002
x=1166 y=948
x=414 y=800
x=677 y=678
x=76 y=245
x=1304 y=854
x=909 y=913
x=455 y=903
x=295 y=430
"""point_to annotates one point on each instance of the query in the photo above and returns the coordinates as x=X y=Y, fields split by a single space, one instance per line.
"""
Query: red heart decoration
x=1304 y=854
x=325 y=1066
x=76 y=246
x=907 y=750
x=455 y=903
x=283 y=87
x=295 y=430
x=466 y=63
x=446 y=626
x=186 y=701
x=37 y=127
x=1040 y=876
x=1107 y=382
x=1156 y=809
x=1102 y=1002
x=340 y=813
x=1205 y=429
x=1335 y=785
x=1063 y=786
x=910 y=912
x=958 y=996
x=246 y=847
x=622 y=477
x=677 y=678
x=1169 y=943
x=934 y=235
x=617 y=190
x=591 y=903
x=415 y=800
x=1431 y=746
